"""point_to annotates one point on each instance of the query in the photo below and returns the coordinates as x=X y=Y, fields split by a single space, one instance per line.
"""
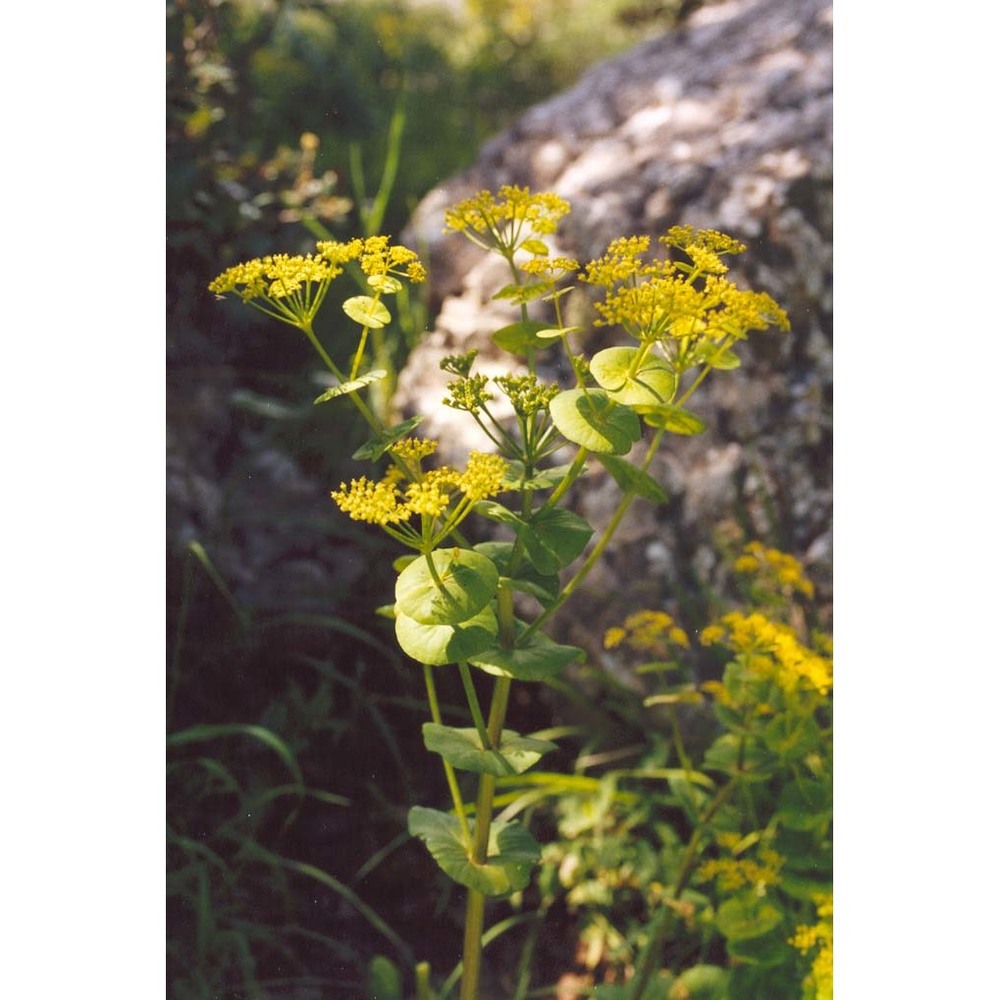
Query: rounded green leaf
x=552 y=332
x=592 y=419
x=554 y=538
x=466 y=582
x=462 y=748
x=747 y=916
x=366 y=311
x=671 y=418
x=526 y=579
x=384 y=283
x=702 y=982
x=539 y=657
x=437 y=645
x=353 y=385
x=509 y=857
x=653 y=382
x=517 y=338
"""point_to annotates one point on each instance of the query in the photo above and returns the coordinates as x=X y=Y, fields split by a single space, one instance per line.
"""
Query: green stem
x=475 y=908
x=449 y=771
x=362 y=407
x=422 y=972
x=572 y=474
x=470 y=694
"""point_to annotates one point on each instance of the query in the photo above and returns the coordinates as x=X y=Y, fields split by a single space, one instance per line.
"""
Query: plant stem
x=362 y=407
x=449 y=771
x=475 y=907
x=422 y=972
x=470 y=694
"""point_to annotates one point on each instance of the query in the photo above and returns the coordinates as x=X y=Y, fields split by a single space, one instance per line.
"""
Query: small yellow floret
x=483 y=476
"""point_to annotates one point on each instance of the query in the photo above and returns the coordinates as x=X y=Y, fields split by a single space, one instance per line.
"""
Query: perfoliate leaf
x=511 y=853
x=437 y=645
x=653 y=382
x=633 y=480
x=526 y=579
x=463 y=749
x=726 y=361
x=592 y=419
x=746 y=916
x=366 y=311
x=466 y=582
x=384 y=283
x=497 y=512
x=543 y=479
x=553 y=538
x=672 y=418
x=352 y=385
x=518 y=337
x=538 y=658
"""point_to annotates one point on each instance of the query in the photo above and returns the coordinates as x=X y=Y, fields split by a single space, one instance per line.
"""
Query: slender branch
x=449 y=771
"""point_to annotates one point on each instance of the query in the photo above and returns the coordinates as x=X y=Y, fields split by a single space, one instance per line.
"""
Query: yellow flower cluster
x=509 y=218
x=690 y=308
x=414 y=449
x=390 y=505
x=771 y=650
x=647 y=632
x=292 y=287
x=703 y=246
x=483 y=476
x=732 y=873
x=550 y=266
x=820 y=934
x=275 y=276
x=773 y=567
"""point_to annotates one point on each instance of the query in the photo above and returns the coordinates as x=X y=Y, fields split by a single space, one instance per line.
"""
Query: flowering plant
x=454 y=602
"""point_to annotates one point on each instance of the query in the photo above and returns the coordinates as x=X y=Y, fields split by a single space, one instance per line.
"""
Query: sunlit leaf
x=376 y=375
x=672 y=418
x=517 y=338
x=465 y=583
x=384 y=283
x=366 y=311
x=653 y=382
x=511 y=853
x=592 y=419
x=437 y=645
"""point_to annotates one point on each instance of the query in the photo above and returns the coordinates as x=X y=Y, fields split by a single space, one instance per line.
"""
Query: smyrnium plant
x=454 y=601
